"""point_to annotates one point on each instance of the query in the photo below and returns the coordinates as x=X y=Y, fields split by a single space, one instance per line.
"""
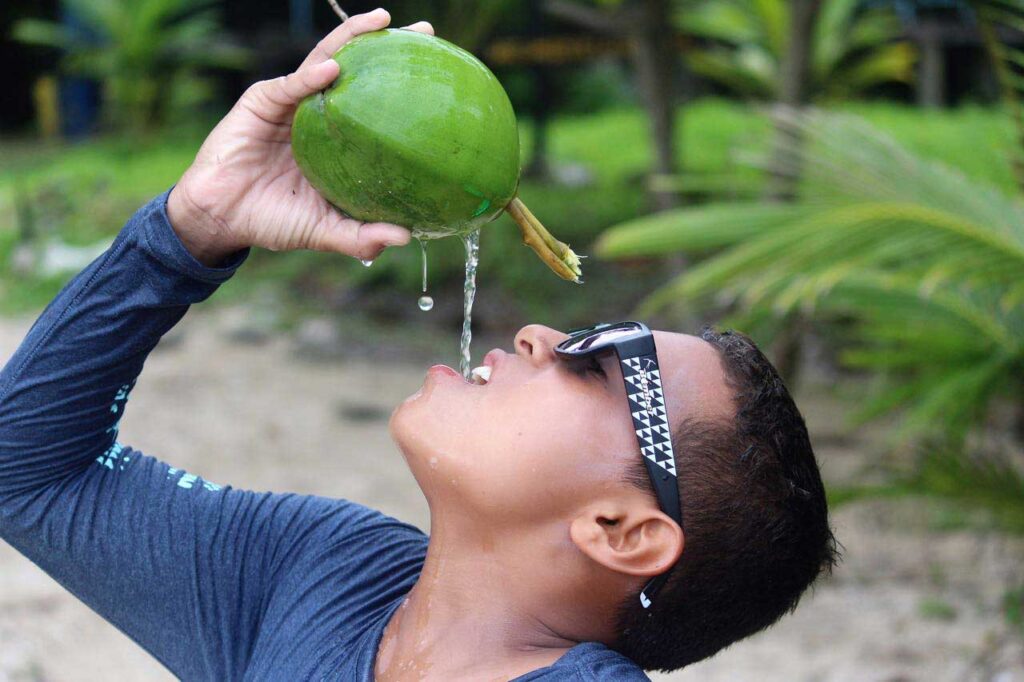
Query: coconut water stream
x=472 y=242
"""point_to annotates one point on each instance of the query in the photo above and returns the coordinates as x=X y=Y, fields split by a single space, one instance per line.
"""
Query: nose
x=536 y=343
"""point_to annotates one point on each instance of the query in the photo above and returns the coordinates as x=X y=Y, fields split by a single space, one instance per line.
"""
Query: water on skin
x=426 y=302
x=472 y=242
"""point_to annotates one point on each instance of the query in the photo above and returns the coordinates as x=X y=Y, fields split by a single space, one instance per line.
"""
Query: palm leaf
x=727 y=22
x=695 y=230
x=749 y=37
x=44 y=33
x=834 y=19
x=888 y=64
x=733 y=70
x=919 y=266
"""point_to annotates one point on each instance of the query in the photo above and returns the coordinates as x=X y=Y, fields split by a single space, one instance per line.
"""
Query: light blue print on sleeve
x=111 y=457
x=120 y=398
x=189 y=481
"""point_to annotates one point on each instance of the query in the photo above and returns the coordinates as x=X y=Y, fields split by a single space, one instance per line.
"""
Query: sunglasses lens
x=602 y=336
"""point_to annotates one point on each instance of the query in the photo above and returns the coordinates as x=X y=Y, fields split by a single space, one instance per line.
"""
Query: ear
x=629 y=537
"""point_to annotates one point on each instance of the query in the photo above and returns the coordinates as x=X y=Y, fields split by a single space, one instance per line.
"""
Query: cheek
x=545 y=450
x=526 y=450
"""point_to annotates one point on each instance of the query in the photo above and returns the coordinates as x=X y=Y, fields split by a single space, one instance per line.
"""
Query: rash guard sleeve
x=183 y=566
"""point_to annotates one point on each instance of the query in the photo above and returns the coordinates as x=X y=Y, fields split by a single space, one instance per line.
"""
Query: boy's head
x=539 y=474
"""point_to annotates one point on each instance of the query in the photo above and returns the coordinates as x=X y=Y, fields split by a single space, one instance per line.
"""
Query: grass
x=1013 y=608
x=84 y=192
x=933 y=608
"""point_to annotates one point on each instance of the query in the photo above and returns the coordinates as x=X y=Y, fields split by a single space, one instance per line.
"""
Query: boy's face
x=540 y=439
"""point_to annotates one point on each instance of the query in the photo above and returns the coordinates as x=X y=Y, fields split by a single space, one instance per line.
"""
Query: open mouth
x=479 y=376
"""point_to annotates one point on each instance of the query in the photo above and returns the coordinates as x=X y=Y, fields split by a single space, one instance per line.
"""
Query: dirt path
x=909 y=603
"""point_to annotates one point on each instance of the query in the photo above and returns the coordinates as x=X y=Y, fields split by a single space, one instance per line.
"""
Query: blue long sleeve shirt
x=216 y=583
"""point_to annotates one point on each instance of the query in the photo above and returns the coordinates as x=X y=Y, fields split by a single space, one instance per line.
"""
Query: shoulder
x=345 y=566
x=353 y=533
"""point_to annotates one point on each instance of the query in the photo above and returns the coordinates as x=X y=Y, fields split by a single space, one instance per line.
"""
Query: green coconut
x=418 y=132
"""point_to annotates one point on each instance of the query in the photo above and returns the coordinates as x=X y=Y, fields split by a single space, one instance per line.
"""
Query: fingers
x=360 y=23
x=275 y=100
x=360 y=240
x=421 y=27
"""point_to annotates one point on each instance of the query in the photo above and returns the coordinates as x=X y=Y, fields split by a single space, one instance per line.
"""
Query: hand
x=244 y=189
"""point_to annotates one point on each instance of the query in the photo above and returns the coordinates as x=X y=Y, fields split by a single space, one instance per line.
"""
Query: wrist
x=200 y=233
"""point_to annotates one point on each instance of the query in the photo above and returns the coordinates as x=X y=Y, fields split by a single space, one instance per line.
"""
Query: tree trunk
x=648 y=29
x=931 y=71
x=794 y=91
x=543 y=103
x=544 y=96
x=654 y=60
x=786 y=164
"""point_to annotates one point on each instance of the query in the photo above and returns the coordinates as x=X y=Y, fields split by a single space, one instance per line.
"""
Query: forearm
x=63 y=391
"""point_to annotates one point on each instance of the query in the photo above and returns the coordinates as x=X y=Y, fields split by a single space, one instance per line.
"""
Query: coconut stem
x=557 y=255
x=338 y=10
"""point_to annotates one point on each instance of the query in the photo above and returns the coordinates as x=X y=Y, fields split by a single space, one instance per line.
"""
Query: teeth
x=481 y=375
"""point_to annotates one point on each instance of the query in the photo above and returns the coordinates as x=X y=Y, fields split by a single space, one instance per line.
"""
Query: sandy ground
x=908 y=603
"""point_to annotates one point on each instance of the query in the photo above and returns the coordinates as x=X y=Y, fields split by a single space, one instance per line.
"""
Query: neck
x=471 y=615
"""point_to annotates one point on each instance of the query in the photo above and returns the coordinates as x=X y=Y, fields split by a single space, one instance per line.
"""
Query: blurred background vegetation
x=840 y=178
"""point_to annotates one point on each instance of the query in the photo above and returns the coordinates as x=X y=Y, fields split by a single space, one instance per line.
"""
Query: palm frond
x=887 y=64
x=132 y=46
x=748 y=40
x=833 y=22
x=1007 y=59
x=43 y=33
x=695 y=230
x=728 y=22
x=726 y=68
x=918 y=265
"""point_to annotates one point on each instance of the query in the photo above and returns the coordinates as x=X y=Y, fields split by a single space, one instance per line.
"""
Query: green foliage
x=467 y=23
x=1008 y=61
x=853 y=50
x=917 y=266
x=934 y=608
x=145 y=53
x=86 y=191
x=961 y=491
x=974 y=481
x=1013 y=607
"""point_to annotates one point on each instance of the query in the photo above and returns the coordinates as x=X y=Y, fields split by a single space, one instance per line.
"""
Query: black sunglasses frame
x=641 y=374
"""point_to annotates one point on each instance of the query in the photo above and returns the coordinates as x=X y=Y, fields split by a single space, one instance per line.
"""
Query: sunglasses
x=633 y=344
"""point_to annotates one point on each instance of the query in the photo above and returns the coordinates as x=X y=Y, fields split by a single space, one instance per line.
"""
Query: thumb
x=275 y=100
x=360 y=240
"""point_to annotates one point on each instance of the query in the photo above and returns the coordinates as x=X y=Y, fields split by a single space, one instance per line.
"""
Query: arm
x=123 y=532
x=181 y=565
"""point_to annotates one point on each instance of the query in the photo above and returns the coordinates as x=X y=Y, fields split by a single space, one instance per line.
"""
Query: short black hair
x=755 y=521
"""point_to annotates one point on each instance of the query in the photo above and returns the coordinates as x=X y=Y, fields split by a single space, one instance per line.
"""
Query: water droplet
x=367 y=262
x=426 y=302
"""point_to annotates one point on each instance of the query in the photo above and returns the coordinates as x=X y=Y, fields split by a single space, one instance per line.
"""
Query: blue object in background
x=79 y=106
x=300 y=18
x=79 y=97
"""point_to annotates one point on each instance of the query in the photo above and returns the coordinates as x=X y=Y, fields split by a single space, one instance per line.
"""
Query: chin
x=398 y=423
x=410 y=427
